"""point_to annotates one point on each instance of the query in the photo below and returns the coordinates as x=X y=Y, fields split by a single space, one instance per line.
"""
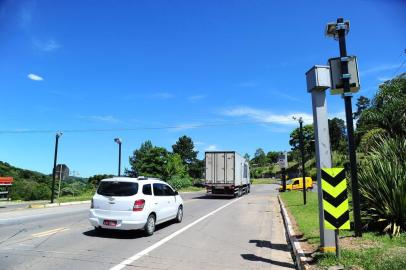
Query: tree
x=174 y=166
x=95 y=179
x=308 y=139
x=148 y=160
x=387 y=110
x=362 y=104
x=259 y=157
x=247 y=157
x=185 y=148
x=337 y=130
x=272 y=156
x=196 y=169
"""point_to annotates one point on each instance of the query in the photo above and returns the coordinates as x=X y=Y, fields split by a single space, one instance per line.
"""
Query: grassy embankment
x=258 y=181
x=371 y=252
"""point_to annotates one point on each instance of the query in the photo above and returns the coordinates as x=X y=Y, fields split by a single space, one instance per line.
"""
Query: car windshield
x=116 y=188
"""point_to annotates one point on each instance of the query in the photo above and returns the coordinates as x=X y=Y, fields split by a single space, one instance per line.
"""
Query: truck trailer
x=227 y=174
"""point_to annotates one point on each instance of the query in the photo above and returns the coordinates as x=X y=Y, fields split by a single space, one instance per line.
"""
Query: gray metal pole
x=323 y=160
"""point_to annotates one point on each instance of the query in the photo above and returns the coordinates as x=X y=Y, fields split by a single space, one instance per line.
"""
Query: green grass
x=192 y=189
x=371 y=252
x=264 y=181
x=82 y=197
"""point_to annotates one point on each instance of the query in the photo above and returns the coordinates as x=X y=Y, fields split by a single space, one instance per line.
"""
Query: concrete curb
x=49 y=205
x=301 y=260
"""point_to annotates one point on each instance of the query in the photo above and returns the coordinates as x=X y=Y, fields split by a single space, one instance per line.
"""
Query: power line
x=203 y=125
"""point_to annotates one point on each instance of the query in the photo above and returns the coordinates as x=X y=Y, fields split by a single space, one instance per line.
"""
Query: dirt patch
x=354 y=243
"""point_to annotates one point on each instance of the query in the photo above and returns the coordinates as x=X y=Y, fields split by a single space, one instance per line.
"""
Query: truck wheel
x=240 y=192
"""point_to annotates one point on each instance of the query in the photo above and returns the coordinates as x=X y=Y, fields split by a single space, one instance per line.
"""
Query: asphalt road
x=216 y=233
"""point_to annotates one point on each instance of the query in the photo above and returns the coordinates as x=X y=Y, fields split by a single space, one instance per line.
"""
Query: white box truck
x=227 y=174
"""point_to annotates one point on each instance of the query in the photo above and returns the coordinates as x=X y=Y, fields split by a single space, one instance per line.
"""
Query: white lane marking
x=166 y=239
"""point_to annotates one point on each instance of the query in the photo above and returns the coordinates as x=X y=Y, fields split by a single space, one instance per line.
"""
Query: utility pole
x=118 y=141
x=57 y=136
x=341 y=28
x=303 y=158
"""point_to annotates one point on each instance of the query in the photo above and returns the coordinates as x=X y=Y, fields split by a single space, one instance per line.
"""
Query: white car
x=123 y=203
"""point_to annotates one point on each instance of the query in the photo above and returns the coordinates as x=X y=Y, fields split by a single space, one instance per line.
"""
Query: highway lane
x=246 y=234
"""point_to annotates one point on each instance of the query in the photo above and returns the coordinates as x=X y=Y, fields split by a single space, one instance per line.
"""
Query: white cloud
x=163 y=95
x=101 y=118
x=380 y=68
x=182 y=127
x=269 y=117
x=47 y=46
x=340 y=115
x=35 y=77
x=211 y=147
x=196 y=98
x=282 y=94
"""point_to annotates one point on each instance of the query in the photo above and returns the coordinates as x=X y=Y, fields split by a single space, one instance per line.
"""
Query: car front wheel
x=150 y=225
x=179 y=215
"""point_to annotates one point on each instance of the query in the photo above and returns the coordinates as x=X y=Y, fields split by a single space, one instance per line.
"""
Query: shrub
x=382 y=179
x=179 y=182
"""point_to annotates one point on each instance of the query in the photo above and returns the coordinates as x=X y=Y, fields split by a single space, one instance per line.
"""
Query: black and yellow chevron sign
x=335 y=199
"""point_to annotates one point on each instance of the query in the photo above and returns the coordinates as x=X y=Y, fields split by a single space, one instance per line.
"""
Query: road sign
x=335 y=199
x=5 y=185
x=283 y=160
x=336 y=76
x=61 y=172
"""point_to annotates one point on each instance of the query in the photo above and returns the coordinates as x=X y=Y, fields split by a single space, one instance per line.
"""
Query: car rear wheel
x=179 y=215
x=150 y=225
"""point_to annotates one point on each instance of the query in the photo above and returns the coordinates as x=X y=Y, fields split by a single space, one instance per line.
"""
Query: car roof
x=132 y=179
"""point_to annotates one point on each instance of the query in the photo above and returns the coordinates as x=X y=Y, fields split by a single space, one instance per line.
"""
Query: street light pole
x=303 y=158
x=341 y=29
x=57 y=136
x=118 y=141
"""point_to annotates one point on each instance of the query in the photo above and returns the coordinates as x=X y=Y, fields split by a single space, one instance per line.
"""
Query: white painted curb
x=301 y=259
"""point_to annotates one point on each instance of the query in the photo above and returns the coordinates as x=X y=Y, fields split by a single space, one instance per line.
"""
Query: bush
x=382 y=179
x=29 y=190
x=179 y=182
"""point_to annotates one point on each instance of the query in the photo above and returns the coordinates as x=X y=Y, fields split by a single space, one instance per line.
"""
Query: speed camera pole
x=341 y=29
x=303 y=158
x=59 y=134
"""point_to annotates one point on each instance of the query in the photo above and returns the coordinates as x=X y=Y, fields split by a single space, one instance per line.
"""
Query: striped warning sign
x=335 y=199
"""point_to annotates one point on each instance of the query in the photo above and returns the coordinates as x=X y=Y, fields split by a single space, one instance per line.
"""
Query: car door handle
x=156 y=203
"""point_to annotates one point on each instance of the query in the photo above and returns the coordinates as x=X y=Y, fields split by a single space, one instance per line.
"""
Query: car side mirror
x=176 y=192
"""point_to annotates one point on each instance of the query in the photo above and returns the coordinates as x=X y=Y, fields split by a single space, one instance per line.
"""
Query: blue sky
x=86 y=65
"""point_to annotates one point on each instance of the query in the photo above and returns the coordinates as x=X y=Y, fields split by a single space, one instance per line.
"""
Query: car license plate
x=110 y=222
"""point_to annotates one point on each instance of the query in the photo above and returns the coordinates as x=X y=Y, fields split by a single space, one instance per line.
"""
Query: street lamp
x=338 y=30
x=57 y=136
x=118 y=141
x=300 y=119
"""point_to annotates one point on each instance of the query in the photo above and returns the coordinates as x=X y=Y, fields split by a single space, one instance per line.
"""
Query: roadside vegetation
x=381 y=151
x=181 y=168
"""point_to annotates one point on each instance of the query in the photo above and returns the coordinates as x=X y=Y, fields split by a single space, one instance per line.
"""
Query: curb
x=300 y=258
x=49 y=205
